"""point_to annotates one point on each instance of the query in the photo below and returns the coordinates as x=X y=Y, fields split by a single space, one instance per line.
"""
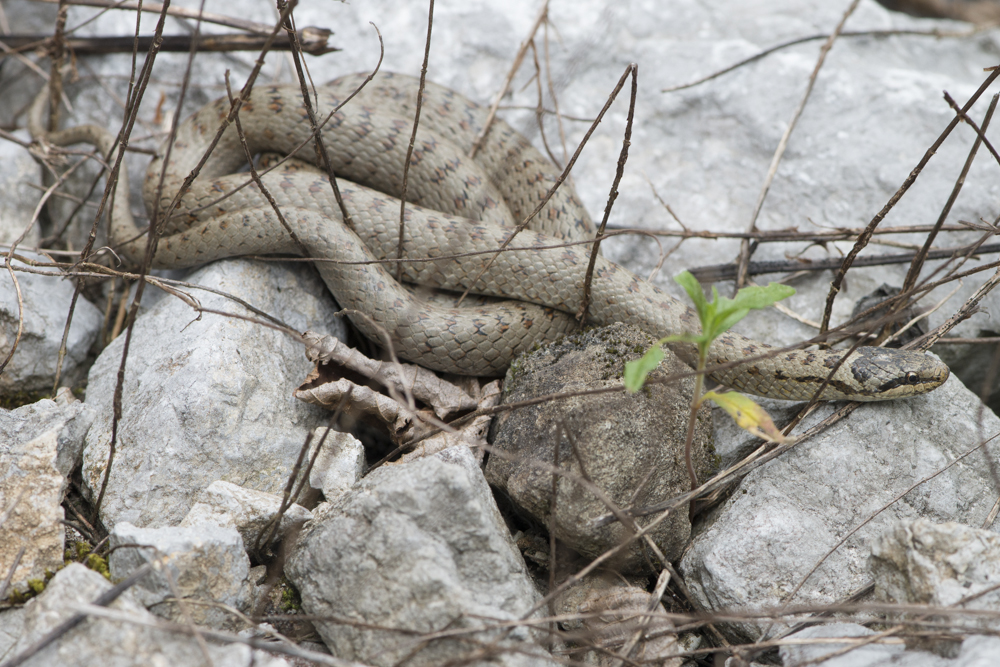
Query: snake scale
x=459 y=206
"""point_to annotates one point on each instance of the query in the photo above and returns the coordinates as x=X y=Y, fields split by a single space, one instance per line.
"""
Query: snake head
x=887 y=374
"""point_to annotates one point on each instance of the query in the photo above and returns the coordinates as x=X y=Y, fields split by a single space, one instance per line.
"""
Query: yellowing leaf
x=748 y=415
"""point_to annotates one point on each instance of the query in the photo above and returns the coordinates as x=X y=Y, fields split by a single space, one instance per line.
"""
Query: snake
x=459 y=211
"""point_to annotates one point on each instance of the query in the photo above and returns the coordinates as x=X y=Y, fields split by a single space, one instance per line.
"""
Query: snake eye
x=912 y=378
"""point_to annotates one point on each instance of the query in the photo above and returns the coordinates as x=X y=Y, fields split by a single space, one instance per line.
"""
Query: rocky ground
x=234 y=529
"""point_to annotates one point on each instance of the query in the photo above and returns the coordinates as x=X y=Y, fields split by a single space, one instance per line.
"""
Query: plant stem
x=699 y=385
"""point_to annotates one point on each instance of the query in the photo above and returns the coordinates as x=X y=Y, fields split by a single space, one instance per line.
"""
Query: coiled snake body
x=461 y=206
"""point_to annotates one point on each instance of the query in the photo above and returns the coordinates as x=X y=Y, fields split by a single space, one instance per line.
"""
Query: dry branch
x=313 y=40
x=779 y=152
x=720 y=272
x=865 y=237
x=425 y=385
x=182 y=12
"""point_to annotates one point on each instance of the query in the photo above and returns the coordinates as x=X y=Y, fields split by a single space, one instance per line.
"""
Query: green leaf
x=637 y=370
x=716 y=316
x=693 y=288
x=758 y=297
x=719 y=315
x=724 y=320
x=681 y=338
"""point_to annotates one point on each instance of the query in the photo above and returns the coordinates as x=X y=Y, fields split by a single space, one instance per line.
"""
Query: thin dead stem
x=555 y=186
x=632 y=69
x=937 y=34
x=515 y=65
x=865 y=236
x=779 y=152
x=413 y=139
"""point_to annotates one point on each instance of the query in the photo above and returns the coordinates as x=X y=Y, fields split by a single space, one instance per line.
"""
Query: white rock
x=206 y=400
x=247 y=510
x=976 y=651
x=11 y=627
x=112 y=643
x=418 y=546
x=339 y=464
x=18 y=203
x=870 y=655
x=45 y=301
x=204 y=563
x=921 y=562
x=40 y=444
x=756 y=547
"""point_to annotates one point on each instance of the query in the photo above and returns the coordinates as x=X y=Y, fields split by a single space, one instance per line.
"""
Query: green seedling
x=717 y=316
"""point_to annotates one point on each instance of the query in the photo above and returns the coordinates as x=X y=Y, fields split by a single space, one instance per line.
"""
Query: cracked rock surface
x=417 y=547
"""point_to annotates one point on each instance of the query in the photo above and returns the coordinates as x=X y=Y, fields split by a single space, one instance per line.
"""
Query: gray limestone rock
x=203 y=563
x=754 y=549
x=921 y=562
x=206 y=399
x=631 y=446
x=113 y=643
x=870 y=655
x=11 y=627
x=247 y=510
x=45 y=301
x=918 y=561
x=40 y=444
x=18 y=201
x=418 y=547
x=339 y=465
x=975 y=651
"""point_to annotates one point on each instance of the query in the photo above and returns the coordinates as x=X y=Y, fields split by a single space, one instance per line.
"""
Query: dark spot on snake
x=898 y=382
x=870 y=362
